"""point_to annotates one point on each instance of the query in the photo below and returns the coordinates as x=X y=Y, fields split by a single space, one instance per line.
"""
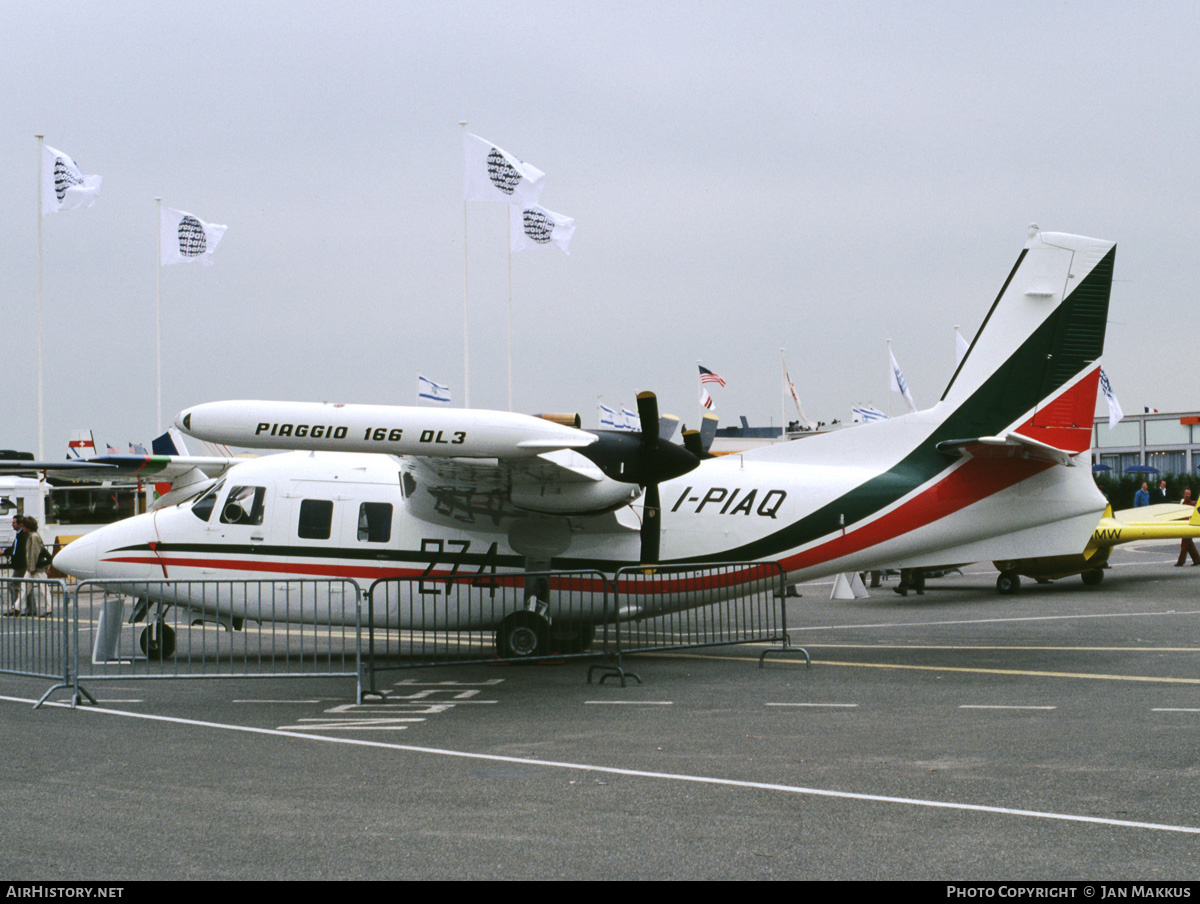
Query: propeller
x=658 y=460
x=645 y=459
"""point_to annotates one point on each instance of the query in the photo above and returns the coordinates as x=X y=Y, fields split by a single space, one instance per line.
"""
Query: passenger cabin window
x=244 y=506
x=316 y=519
x=203 y=506
x=375 y=522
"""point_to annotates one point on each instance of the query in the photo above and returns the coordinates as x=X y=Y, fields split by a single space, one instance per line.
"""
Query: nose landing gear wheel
x=158 y=641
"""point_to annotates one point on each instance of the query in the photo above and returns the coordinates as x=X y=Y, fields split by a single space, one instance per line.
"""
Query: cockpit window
x=244 y=506
x=204 y=505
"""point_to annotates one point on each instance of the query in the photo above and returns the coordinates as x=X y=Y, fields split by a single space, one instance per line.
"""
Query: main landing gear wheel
x=157 y=641
x=523 y=634
x=1093 y=577
x=1008 y=582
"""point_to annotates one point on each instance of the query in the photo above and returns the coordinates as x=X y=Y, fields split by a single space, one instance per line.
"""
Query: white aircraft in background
x=997 y=469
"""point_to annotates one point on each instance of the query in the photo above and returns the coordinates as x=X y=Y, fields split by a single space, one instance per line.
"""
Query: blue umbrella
x=1141 y=469
x=1096 y=469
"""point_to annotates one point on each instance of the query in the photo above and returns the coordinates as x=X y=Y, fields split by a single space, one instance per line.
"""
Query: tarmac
x=957 y=736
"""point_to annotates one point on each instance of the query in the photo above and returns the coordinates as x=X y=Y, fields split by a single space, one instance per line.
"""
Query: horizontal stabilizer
x=1011 y=445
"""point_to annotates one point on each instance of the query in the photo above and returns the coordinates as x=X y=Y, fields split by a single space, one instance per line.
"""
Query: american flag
x=707 y=376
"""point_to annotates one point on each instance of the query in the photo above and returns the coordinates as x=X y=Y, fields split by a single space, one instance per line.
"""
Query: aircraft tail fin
x=81 y=445
x=173 y=443
x=1033 y=368
x=1195 y=519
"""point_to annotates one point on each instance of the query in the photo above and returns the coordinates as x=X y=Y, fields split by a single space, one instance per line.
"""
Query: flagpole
x=782 y=397
x=510 y=405
x=41 y=413
x=466 y=347
x=158 y=316
x=890 y=377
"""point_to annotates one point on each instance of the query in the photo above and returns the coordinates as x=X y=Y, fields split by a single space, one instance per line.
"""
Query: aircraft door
x=243 y=515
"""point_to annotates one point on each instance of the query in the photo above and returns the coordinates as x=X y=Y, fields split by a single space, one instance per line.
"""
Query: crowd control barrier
x=211 y=629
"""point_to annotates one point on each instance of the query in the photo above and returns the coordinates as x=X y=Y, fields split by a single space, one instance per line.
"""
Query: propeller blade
x=708 y=430
x=651 y=525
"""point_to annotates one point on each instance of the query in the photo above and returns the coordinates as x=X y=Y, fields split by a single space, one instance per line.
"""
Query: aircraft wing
x=157 y=468
x=476 y=463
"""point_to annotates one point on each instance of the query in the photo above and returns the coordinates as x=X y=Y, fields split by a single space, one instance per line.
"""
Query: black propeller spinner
x=645 y=459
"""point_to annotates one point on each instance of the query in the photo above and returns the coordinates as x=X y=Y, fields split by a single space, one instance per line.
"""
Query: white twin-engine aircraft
x=996 y=470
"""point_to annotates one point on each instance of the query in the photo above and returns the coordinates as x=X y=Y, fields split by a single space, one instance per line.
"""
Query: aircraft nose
x=79 y=558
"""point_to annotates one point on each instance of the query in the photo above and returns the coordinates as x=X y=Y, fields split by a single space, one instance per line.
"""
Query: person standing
x=1142 y=496
x=37 y=560
x=1160 y=494
x=1186 y=546
x=16 y=558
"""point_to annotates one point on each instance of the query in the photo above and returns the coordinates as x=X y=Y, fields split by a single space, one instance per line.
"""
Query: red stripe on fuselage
x=974 y=480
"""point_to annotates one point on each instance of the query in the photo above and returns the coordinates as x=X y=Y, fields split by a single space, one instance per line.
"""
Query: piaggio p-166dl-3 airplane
x=996 y=470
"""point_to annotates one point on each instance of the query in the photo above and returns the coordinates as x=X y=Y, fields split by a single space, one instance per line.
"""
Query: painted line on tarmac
x=639 y=773
x=940 y=668
x=993 y=621
x=1001 y=706
x=817 y=705
x=628 y=703
x=981 y=647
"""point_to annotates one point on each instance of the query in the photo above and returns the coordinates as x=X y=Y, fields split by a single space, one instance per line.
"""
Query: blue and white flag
x=899 y=384
x=608 y=417
x=630 y=420
x=860 y=414
x=1114 y=407
x=435 y=392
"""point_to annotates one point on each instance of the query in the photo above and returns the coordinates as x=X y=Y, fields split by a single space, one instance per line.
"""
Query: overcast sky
x=745 y=177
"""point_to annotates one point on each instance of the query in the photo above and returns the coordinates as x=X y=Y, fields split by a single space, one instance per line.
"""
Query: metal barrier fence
x=427 y=621
x=701 y=605
x=118 y=629
x=34 y=629
x=213 y=629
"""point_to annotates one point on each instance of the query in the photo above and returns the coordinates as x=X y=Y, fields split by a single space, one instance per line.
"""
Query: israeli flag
x=435 y=392
x=899 y=384
x=608 y=417
x=860 y=414
x=632 y=421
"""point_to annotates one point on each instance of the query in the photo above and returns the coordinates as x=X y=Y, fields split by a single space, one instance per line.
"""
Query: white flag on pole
x=493 y=174
x=435 y=392
x=899 y=384
x=184 y=238
x=530 y=226
x=64 y=187
x=706 y=401
x=1114 y=407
